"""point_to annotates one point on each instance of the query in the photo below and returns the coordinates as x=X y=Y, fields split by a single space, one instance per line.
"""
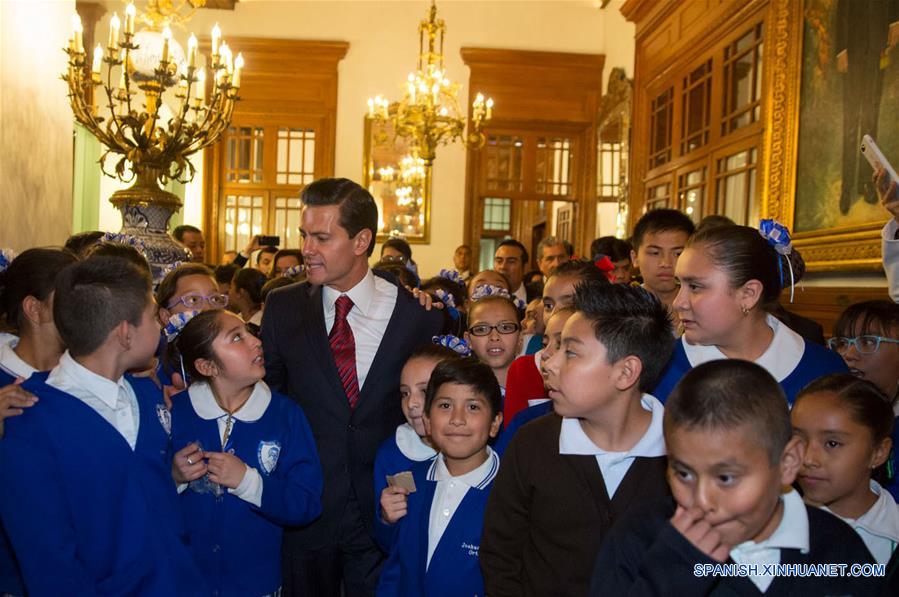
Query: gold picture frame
x=400 y=183
x=838 y=248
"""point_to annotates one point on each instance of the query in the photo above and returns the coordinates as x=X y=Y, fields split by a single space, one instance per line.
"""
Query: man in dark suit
x=336 y=344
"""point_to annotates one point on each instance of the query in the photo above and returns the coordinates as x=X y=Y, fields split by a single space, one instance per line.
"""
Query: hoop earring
x=744 y=310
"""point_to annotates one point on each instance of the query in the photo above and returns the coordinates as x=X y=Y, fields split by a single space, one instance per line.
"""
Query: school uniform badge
x=268 y=453
x=165 y=418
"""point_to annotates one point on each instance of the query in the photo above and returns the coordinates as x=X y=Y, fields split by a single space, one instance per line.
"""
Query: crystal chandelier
x=150 y=108
x=429 y=113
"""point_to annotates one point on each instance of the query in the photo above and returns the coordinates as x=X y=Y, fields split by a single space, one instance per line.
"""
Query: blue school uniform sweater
x=454 y=570
x=390 y=460
x=10 y=577
x=86 y=514
x=893 y=484
x=236 y=544
x=815 y=362
x=519 y=421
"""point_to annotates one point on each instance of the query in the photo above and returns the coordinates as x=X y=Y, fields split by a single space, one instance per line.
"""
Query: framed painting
x=826 y=90
x=399 y=181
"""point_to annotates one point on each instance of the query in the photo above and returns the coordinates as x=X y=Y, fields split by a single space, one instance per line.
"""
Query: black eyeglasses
x=866 y=344
x=503 y=327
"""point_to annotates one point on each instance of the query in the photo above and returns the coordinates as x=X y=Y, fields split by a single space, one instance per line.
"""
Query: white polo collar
x=88 y=381
x=779 y=359
x=573 y=440
x=410 y=444
x=791 y=533
x=11 y=362
x=479 y=478
x=882 y=519
x=362 y=295
x=206 y=407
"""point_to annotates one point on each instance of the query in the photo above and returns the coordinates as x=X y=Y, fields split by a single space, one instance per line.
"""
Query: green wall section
x=86 y=184
x=85 y=181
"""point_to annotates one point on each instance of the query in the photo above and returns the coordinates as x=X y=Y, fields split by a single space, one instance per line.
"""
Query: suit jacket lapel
x=317 y=335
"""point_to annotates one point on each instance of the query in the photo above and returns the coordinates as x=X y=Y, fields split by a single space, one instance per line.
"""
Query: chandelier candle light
x=429 y=112
x=153 y=145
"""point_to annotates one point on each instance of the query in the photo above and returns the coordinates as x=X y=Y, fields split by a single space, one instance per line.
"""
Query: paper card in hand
x=403 y=479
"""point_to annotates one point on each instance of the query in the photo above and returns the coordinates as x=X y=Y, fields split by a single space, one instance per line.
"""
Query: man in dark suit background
x=350 y=395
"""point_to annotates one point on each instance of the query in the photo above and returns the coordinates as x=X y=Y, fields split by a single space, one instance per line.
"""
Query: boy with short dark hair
x=88 y=498
x=437 y=544
x=731 y=459
x=569 y=475
x=659 y=238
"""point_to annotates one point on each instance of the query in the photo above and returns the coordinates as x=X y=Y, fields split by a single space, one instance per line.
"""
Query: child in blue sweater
x=410 y=443
x=88 y=499
x=247 y=453
x=439 y=524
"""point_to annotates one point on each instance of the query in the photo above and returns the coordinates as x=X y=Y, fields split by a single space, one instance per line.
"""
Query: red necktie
x=343 y=349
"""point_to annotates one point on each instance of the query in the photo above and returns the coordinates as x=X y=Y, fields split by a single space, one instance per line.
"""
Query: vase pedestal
x=146 y=211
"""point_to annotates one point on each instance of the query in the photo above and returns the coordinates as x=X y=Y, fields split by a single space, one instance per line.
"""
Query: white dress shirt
x=10 y=361
x=115 y=401
x=521 y=292
x=373 y=301
x=614 y=465
x=779 y=359
x=256 y=318
x=204 y=404
x=451 y=491
x=879 y=526
x=791 y=533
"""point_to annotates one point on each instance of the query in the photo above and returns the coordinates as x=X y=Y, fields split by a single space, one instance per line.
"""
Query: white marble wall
x=35 y=124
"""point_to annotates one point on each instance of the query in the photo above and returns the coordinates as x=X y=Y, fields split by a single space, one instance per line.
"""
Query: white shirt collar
x=521 y=292
x=478 y=478
x=410 y=444
x=361 y=294
x=573 y=440
x=882 y=519
x=779 y=359
x=85 y=379
x=256 y=318
x=203 y=401
x=11 y=362
x=791 y=533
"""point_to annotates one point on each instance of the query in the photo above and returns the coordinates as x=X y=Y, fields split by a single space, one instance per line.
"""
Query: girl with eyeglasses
x=867 y=337
x=493 y=333
x=188 y=287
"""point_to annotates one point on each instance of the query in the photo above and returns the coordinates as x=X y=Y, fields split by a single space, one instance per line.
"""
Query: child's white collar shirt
x=779 y=359
x=204 y=404
x=614 y=465
x=115 y=401
x=791 y=533
x=10 y=361
x=451 y=491
x=410 y=444
x=879 y=526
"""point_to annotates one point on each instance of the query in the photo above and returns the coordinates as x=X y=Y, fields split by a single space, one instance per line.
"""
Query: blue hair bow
x=293 y=271
x=449 y=302
x=454 y=343
x=176 y=324
x=6 y=257
x=778 y=236
x=451 y=275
